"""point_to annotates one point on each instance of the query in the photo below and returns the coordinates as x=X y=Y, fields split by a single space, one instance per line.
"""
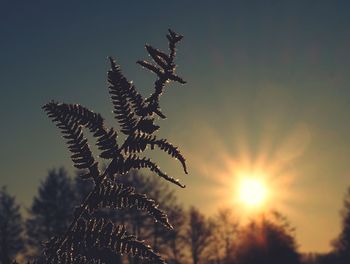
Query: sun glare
x=250 y=181
x=252 y=192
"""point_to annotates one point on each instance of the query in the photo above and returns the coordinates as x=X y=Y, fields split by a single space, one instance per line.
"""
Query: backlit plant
x=91 y=239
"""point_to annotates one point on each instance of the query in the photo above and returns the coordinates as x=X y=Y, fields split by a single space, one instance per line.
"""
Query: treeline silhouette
x=197 y=239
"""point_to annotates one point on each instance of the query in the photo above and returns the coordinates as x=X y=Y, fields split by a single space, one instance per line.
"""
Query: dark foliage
x=136 y=117
x=342 y=243
x=11 y=240
x=267 y=241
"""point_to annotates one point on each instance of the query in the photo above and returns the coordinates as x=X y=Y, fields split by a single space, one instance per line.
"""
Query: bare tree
x=198 y=234
x=175 y=239
x=225 y=231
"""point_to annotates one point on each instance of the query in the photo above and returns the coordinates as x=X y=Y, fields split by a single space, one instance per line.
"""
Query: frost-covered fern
x=91 y=240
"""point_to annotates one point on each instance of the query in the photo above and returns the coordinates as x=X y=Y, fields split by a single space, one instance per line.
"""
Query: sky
x=268 y=94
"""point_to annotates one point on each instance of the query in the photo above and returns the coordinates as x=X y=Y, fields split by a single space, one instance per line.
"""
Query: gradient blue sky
x=267 y=80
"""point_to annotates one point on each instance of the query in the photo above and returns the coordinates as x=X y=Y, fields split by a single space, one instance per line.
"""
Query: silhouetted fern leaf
x=129 y=90
x=134 y=162
x=139 y=142
x=164 y=145
x=164 y=69
x=118 y=88
x=146 y=125
x=99 y=241
x=77 y=144
x=159 y=57
x=119 y=196
x=72 y=258
x=95 y=239
x=106 y=139
x=90 y=256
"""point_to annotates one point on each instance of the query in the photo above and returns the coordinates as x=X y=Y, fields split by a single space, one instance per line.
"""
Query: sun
x=251 y=179
x=252 y=192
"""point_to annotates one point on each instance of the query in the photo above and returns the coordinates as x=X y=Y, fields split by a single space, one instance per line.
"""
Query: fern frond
x=91 y=256
x=118 y=196
x=159 y=57
x=77 y=144
x=106 y=139
x=133 y=96
x=173 y=39
x=164 y=145
x=139 y=142
x=85 y=255
x=151 y=67
x=99 y=241
x=134 y=162
x=117 y=85
x=136 y=100
x=164 y=69
x=107 y=143
x=72 y=258
x=90 y=237
x=146 y=125
x=129 y=105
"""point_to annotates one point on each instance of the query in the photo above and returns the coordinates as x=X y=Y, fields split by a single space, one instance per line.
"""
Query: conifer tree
x=51 y=210
x=342 y=243
x=11 y=239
